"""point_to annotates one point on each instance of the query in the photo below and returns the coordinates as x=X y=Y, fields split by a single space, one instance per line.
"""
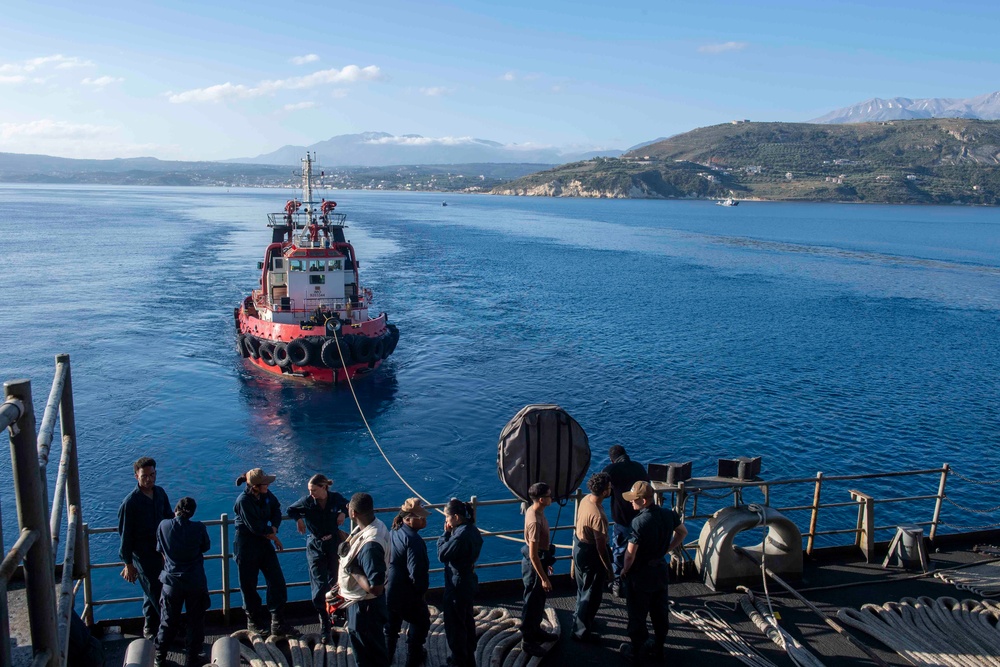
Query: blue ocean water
x=840 y=338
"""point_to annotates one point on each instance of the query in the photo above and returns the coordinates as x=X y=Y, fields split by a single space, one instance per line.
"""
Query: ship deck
x=830 y=581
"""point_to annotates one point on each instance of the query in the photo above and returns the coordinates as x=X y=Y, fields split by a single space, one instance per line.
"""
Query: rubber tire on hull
x=329 y=355
x=362 y=347
x=281 y=356
x=241 y=347
x=301 y=352
x=266 y=352
x=252 y=345
x=394 y=338
x=378 y=349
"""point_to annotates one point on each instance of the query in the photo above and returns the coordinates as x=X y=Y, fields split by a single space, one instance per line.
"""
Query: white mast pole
x=307 y=197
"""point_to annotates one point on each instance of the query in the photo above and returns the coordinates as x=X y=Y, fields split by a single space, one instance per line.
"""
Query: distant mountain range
x=379 y=149
x=983 y=107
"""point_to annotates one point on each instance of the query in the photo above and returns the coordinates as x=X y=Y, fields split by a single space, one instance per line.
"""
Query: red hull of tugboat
x=262 y=330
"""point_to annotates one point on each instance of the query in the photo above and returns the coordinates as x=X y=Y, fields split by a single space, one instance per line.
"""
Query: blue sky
x=220 y=79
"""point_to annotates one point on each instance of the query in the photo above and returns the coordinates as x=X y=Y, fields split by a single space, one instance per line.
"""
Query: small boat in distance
x=729 y=201
x=308 y=318
x=444 y=203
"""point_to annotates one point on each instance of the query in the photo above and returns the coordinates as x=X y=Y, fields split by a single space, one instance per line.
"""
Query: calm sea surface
x=821 y=337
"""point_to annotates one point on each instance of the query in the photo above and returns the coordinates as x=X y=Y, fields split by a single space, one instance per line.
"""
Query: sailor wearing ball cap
x=408 y=580
x=656 y=531
x=258 y=515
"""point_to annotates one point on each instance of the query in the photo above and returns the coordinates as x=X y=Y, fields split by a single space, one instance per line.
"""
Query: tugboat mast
x=307 y=193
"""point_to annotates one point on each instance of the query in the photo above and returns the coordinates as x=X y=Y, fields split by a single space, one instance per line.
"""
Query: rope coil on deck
x=926 y=631
x=498 y=636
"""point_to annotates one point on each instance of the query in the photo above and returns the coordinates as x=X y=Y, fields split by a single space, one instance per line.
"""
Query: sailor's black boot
x=279 y=628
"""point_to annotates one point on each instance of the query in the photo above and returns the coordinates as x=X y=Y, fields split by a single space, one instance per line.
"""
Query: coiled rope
x=498 y=641
x=765 y=621
x=716 y=628
x=926 y=631
x=983 y=579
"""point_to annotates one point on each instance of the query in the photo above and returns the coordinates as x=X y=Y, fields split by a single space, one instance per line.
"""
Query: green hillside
x=916 y=161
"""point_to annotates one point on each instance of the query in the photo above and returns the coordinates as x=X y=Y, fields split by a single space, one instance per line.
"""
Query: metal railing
x=38 y=538
x=863 y=531
x=224 y=555
x=39 y=535
x=865 y=528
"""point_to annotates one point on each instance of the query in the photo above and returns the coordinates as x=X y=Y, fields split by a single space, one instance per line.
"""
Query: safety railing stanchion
x=937 y=503
x=32 y=513
x=224 y=540
x=67 y=421
x=814 y=515
x=88 y=584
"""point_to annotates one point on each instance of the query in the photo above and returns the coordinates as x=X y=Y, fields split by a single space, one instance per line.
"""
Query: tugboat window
x=295 y=265
x=315 y=265
x=317 y=280
x=333 y=265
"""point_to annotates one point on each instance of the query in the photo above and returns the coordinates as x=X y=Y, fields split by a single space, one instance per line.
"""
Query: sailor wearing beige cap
x=408 y=581
x=258 y=515
x=656 y=531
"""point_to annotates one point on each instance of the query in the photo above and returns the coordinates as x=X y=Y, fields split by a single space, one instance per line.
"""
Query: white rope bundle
x=762 y=617
x=983 y=580
x=498 y=644
x=938 y=632
x=716 y=628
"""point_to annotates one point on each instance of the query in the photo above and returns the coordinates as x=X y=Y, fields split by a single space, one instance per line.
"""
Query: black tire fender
x=252 y=345
x=301 y=352
x=266 y=352
x=281 y=355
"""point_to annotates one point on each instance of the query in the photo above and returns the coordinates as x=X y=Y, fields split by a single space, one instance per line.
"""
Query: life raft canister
x=543 y=443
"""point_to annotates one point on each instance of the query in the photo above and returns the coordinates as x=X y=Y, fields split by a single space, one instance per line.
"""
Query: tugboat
x=729 y=201
x=309 y=318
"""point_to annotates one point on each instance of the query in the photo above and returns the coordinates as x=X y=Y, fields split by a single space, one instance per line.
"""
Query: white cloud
x=339 y=93
x=304 y=60
x=51 y=129
x=224 y=91
x=13 y=78
x=436 y=91
x=57 y=61
x=298 y=106
x=101 y=82
x=723 y=47
x=509 y=76
x=424 y=141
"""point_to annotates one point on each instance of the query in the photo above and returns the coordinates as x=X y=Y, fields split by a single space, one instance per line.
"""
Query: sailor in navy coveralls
x=258 y=515
x=319 y=515
x=182 y=542
x=138 y=517
x=458 y=550
x=408 y=580
x=656 y=531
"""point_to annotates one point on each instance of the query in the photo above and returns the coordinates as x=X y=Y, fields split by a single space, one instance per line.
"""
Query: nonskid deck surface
x=827 y=584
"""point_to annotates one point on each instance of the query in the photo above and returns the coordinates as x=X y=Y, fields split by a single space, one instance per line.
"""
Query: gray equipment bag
x=542 y=443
